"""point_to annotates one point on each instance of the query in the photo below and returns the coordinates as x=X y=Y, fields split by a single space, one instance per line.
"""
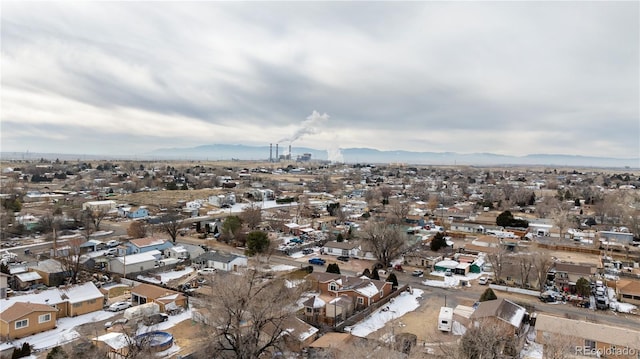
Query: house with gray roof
x=222 y=261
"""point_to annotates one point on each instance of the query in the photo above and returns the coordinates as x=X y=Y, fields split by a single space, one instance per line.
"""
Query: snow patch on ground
x=282 y=268
x=448 y=282
x=64 y=332
x=167 y=276
x=397 y=307
x=532 y=351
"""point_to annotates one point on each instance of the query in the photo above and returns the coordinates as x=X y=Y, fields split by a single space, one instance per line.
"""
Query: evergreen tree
x=257 y=242
x=367 y=272
x=333 y=268
x=394 y=280
x=57 y=353
x=488 y=295
x=375 y=274
x=438 y=242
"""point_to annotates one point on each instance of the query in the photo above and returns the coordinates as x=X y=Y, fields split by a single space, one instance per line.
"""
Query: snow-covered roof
x=369 y=290
x=139 y=257
x=83 y=292
x=115 y=340
x=318 y=303
x=53 y=296
x=28 y=276
x=447 y=264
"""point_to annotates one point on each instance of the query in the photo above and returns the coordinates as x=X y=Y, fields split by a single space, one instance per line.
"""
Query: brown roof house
x=506 y=315
x=167 y=299
x=588 y=338
x=629 y=291
x=362 y=291
x=23 y=319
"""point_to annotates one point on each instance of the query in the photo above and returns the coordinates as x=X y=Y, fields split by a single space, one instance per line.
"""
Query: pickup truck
x=317 y=261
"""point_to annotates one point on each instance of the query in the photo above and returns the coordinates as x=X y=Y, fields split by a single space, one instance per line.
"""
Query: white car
x=205 y=271
x=483 y=281
x=118 y=306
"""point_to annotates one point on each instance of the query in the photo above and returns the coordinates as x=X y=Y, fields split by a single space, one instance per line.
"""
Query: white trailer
x=445 y=319
x=141 y=311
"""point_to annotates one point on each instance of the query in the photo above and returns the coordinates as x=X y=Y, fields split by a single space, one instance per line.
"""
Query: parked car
x=205 y=271
x=448 y=273
x=417 y=273
x=307 y=251
x=155 y=319
x=118 y=306
x=121 y=321
x=483 y=281
x=113 y=243
x=343 y=258
x=317 y=261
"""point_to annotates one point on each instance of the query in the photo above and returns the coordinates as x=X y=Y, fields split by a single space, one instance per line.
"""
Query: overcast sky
x=509 y=78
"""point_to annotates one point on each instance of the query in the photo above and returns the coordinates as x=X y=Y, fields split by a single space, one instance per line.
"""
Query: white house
x=135 y=262
x=99 y=205
x=221 y=261
x=346 y=248
x=178 y=252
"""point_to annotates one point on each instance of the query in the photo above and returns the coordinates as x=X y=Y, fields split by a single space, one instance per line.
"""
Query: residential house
x=53 y=273
x=69 y=301
x=422 y=258
x=500 y=311
x=589 y=338
x=147 y=244
x=467 y=227
x=221 y=261
x=23 y=319
x=628 y=291
x=135 y=263
x=362 y=291
x=133 y=212
x=26 y=280
x=177 y=252
x=99 y=206
x=297 y=334
x=345 y=248
x=505 y=314
x=564 y=274
x=167 y=299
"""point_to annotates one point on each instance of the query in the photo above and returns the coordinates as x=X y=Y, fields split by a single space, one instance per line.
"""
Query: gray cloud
x=510 y=78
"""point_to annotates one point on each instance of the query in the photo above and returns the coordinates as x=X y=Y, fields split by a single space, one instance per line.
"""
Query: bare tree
x=561 y=219
x=96 y=216
x=400 y=210
x=541 y=262
x=137 y=229
x=70 y=257
x=525 y=264
x=387 y=241
x=248 y=316
x=171 y=223
x=497 y=260
x=251 y=216
x=385 y=193
x=487 y=340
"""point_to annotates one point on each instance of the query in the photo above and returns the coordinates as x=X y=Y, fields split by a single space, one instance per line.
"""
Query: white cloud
x=510 y=78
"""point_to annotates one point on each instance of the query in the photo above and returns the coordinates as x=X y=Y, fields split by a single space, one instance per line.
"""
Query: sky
x=512 y=78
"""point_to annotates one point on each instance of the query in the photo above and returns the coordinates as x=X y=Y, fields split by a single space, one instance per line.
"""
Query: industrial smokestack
x=271 y=152
x=277 y=158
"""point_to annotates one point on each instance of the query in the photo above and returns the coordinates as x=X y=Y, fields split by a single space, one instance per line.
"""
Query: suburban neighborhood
x=129 y=259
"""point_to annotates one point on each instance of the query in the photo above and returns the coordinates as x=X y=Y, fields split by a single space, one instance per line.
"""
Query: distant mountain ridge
x=218 y=152
x=360 y=155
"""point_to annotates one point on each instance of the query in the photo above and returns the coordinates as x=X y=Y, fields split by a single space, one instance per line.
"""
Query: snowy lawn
x=64 y=332
x=404 y=303
x=448 y=282
x=282 y=268
x=167 y=276
x=173 y=320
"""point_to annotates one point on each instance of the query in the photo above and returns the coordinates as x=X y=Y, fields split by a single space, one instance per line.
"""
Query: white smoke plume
x=313 y=124
x=334 y=154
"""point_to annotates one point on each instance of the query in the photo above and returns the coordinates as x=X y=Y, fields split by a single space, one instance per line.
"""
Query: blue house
x=143 y=245
x=133 y=212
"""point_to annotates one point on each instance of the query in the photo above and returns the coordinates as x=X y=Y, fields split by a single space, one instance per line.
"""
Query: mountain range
x=218 y=152
x=369 y=155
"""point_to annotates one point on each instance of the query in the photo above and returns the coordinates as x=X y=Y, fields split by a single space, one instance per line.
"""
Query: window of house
x=333 y=286
x=22 y=323
x=77 y=305
x=360 y=300
x=309 y=310
x=44 y=318
x=589 y=344
x=92 y=301
x=381 y=293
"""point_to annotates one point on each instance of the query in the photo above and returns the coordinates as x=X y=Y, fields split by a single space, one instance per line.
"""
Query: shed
x=446 y=264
